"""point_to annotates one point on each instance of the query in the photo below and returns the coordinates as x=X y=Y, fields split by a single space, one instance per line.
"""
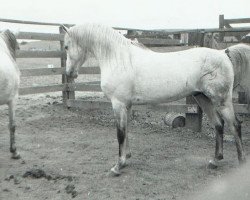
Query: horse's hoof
x=128 y=155
x=219 y=157
x=242 y=161
x=212 y=165
x=15 y=156
x=115 y=172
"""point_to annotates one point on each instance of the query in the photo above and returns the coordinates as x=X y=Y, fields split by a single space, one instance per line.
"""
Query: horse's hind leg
x=121 y=111
x=227 y=112
x=12 y=128
x=206 y=104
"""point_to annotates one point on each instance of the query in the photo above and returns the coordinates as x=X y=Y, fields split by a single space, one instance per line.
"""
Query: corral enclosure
x=43 y=59
x=75 y=148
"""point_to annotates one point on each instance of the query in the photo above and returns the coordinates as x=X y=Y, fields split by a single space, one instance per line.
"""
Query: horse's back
x=170 y=76
x=176 y=61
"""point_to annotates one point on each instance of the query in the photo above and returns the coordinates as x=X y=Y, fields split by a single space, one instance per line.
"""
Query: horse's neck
x=113 y=57
x=3 y=46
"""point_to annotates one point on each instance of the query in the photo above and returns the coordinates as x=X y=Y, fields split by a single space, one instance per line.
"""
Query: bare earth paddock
x=73 y=150
x=68 y=153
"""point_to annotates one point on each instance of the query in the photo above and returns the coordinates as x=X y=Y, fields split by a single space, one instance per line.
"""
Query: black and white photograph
x=125 y=100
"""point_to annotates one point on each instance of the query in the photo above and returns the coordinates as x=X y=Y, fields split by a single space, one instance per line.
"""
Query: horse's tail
x=240 y=58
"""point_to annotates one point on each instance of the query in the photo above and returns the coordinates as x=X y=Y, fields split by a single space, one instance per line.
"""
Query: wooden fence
x=68 y=87
x=227 y=23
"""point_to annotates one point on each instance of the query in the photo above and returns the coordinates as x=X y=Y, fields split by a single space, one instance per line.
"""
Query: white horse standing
x=9 y=81
x=132 y=73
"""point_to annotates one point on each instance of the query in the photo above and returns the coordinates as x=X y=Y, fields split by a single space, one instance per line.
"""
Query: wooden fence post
x=67 y=93
x=63 y=64
x=201 y=39
x=242 y=98
x=221 y=26
x=193 y=117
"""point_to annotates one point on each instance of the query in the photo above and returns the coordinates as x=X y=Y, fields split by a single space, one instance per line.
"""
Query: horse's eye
x=66 y=47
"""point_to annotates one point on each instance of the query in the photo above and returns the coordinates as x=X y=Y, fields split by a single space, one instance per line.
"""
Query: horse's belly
x=163 y=91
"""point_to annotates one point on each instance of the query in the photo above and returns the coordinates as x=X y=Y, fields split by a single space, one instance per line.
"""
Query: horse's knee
x=219 y=129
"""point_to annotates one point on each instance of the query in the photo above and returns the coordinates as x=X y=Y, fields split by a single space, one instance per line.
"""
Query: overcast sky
x=144 y=14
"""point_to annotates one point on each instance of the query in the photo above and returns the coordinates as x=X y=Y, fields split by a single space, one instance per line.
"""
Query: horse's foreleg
x=207 y=106
x=234 y=124
x=12 y=129
x=121 y=117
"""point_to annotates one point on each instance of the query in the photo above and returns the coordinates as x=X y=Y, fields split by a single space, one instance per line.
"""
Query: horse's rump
x=9 y=71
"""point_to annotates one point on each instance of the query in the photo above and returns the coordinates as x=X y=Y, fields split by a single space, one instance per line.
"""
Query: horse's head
x=76 y=54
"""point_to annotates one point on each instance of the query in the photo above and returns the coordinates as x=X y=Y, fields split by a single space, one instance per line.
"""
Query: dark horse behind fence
x=131 y=73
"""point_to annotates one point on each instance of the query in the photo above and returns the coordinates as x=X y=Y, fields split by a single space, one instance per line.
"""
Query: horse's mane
x=104 y=35
x=138 y=44
x=104 y=42
x=102 y=38
x=11 y=42
x=100 y=33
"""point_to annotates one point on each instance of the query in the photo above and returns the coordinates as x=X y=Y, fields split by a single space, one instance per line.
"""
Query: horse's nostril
x=72 y=73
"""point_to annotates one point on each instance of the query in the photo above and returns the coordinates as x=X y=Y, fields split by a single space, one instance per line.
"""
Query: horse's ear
x=66 y=29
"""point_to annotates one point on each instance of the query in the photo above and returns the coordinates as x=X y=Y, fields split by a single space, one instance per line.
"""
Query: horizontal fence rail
x=41 y=89
x=32 y=22
x=84 y=87
x=40 y=36
x=166 y=107
x=170 y=107
x=238 y=21
x=40 y=54
x=42 y=72
x=57 y=71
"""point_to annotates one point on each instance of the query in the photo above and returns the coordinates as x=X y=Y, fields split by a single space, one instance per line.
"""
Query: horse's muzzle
x=72 y=74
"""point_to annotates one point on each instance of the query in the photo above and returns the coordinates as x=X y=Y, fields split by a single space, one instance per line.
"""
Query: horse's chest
x=116 y=84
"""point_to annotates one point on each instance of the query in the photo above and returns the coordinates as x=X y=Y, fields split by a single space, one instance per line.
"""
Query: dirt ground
x=67 y=154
